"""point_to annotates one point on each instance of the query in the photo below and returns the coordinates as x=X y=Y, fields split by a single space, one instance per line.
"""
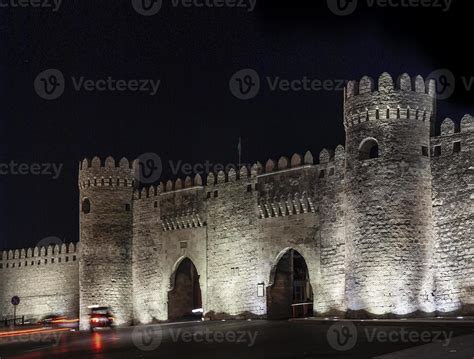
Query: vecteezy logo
x=147 y=7
x=342 y=336
x=49 y=84
x=245 y=84
x=147 y=337
x=50 y=241
x=149 y=168
x=445 y=83
x=342 y=7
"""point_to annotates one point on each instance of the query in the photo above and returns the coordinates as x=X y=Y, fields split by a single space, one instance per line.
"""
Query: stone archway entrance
x=291 y=294
x=185 y=295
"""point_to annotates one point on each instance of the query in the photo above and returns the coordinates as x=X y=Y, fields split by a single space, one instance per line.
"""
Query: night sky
x=193 y=117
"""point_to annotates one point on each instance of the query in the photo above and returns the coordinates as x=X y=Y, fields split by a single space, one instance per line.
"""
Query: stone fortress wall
x=452 y=165
x=383 y=236
x=236 y=228
x=46 y=279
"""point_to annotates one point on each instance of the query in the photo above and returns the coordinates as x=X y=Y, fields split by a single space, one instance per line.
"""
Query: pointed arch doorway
x=184 y=298
x=290 y=294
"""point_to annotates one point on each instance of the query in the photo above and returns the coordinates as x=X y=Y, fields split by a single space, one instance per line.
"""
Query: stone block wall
x=452 y=165
x=169 y=225
x=332 y=235
x=301 y=208
x=147 y=266
x=235 y=229
x=45 y=279
x=232 y=245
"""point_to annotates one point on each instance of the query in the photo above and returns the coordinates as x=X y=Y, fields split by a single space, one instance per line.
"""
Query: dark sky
x=194 y=117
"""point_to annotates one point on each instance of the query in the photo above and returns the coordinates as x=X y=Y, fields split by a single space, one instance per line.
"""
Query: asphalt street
x=240 y=339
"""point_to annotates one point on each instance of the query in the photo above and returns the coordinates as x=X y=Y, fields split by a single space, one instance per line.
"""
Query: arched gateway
x=184 y=296
x=289 y=294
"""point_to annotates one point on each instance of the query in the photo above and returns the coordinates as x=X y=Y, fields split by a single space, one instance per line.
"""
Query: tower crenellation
x=408 y=98
x=98 y=173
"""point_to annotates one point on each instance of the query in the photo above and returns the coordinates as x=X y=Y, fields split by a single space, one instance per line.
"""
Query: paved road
x=234 y=339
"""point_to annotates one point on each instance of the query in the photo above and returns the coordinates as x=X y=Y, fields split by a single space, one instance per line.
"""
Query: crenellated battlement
x=453 y=139
x=331 y=163
x=406 y=99
x=232 y=175
x=386 y=84
x=336 y=156
x=109 y=162
x=39 y=255
x=107 y=173
x=327 y=159
x=147 y=192
x=168 y=187
x=285 y=164
x=448 y=126
x=180 y=184
x=196 y=182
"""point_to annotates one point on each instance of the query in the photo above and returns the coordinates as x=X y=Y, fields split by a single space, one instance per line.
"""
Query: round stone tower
x=389 y=230
x=105 y=272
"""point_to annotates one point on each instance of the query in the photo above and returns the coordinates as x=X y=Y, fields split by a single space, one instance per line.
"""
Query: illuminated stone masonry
x=384 y=225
